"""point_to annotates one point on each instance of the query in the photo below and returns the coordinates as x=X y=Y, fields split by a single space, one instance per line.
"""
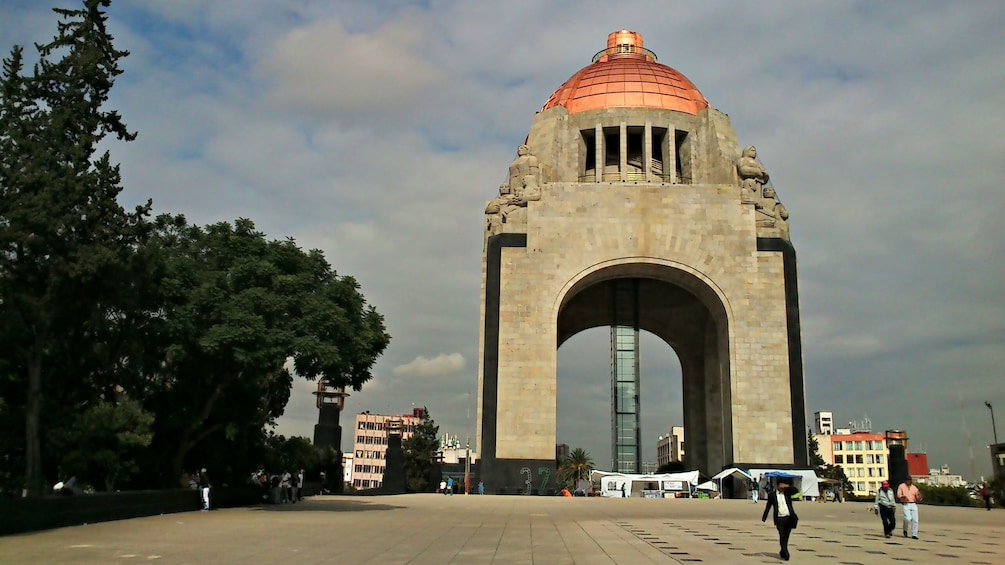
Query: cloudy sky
x=377 y=130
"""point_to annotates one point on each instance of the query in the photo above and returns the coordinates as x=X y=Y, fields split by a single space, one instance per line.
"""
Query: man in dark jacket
x=785 y=515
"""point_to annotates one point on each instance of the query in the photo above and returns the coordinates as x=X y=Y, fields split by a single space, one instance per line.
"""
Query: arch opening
x=583 y=407
x=686 y=314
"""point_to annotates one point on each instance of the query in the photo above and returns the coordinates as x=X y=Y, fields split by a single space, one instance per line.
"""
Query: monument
x=632 y=206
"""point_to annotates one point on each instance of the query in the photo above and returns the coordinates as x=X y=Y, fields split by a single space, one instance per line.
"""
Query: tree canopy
x=419 y=450
x=132 y=348
x=576 y=467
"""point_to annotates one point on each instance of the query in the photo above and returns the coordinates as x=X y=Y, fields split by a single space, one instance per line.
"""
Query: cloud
x=442 y=364
x=377 y=131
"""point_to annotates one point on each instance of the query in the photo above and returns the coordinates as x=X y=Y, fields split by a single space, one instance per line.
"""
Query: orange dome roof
x=626 y=75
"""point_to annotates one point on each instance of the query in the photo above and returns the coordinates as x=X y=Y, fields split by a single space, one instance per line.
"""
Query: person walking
x=481 y=487
x=204 y=489
x=754 y=490
x=909 y=497
x=986 y=495
x=450 y=486
x=443 y=487
x=886 y=506
x=780 y=501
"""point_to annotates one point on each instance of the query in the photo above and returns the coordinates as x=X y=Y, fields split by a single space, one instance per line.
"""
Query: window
x=879 y=459
x=359 y=468
x=839 y=459
x=837 y=446
x=359 y=453
x=858 y=446
x=858 y=459
x=871 y=472
x=361 y=426
x=861 y=486
x=869 y=459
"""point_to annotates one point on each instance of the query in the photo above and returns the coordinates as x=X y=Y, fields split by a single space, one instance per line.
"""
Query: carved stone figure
x=752 y=175
x=524 y=171
x=524 y=186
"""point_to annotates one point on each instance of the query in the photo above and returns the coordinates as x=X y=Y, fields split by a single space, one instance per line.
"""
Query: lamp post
x=993 y=427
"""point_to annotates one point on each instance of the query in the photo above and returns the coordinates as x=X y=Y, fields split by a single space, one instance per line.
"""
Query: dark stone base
x=511 y=476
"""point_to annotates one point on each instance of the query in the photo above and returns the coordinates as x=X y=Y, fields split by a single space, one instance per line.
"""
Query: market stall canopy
x=731 y=471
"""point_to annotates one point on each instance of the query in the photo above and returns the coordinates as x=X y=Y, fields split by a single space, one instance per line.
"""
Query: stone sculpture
x=524 y=186
x=753 y=176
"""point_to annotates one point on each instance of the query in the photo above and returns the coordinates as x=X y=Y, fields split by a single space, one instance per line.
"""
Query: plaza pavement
x=437 y=529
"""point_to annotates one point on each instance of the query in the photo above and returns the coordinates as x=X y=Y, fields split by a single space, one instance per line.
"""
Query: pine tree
x=419 y=450
x=64 y=239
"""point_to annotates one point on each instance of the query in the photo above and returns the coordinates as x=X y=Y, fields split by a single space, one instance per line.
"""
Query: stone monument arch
x=632 y=206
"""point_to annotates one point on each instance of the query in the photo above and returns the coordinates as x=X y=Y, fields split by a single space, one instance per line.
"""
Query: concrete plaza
x=437 y=529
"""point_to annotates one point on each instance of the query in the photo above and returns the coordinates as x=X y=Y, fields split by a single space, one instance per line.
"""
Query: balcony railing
x=635 y=176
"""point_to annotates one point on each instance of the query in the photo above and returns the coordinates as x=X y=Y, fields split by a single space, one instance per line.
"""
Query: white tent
x=613 y=485
x=807 y=482
x=728 y=472
x=708 y=485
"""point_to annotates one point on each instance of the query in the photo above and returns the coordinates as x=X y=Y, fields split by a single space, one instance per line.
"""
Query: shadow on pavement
x=321 y=504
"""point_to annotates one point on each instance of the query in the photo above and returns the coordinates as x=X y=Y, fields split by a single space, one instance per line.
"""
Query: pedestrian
x=623 y=495
x=284 y=485
x=754 y=490
x=295 y=487
x=204 y=489
x=443 y=487
x=784 y=515
x=481 y=487
x=986 y=495
x=886 y=506
x=909 y=497
x=450 y=486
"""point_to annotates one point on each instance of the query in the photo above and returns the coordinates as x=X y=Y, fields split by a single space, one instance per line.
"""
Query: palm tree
x=576 y=466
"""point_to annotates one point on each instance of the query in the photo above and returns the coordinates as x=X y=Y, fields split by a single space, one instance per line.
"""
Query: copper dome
x=626 y=75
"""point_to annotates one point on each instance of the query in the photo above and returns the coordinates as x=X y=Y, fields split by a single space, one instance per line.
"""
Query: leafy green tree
x=238 y=315
x=671 y=467
x=101 y=446
x=64 y=240
x=291 y=454
x=419 y=451
x=575 y=468
x=816 y=461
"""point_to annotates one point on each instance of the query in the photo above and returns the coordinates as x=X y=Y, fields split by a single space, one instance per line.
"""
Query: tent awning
x=731 y=471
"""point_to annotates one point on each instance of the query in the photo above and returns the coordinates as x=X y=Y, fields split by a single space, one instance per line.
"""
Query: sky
x=376 y=131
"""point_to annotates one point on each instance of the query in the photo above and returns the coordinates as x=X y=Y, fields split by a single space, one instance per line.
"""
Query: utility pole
x=993 y=427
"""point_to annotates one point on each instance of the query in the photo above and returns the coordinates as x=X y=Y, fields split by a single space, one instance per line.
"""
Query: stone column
x=647 y=151
x=623 y=151
x=600 y=157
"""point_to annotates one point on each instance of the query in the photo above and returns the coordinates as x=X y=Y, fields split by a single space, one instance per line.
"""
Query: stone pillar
x=670 y=154
x=623 y=151
x=647 y=151
x=600 y=157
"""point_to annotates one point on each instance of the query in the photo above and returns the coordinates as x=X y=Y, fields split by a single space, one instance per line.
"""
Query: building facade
x=631 y=205
x=670 y=448
x=862 y=455
x=824 y=423
x=370 y=446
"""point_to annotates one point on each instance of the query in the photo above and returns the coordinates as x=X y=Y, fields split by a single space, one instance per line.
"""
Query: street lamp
x=993 y=427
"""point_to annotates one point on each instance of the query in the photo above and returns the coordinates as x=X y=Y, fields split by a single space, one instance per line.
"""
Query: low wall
x=19 y=515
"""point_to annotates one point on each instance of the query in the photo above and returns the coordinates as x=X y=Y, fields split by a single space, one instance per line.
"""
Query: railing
x=627 y=51
x=635 y=176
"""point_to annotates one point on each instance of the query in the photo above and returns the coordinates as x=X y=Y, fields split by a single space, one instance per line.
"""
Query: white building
x=347 y=468
x=824 y=423
x=670 y=447
x=941 y=477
